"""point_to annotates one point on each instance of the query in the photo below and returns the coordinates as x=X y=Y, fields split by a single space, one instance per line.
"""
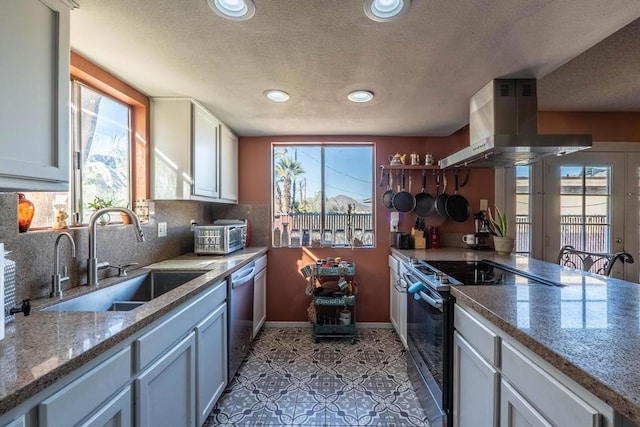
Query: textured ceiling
x=422 y=68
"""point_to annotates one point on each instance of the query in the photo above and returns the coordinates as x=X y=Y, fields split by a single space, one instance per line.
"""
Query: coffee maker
x=482 y=231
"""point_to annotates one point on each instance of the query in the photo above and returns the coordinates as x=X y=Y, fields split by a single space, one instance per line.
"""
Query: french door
x=591 y=203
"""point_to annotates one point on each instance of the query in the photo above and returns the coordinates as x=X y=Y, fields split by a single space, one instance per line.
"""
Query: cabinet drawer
x=261 y=263
x=155 y=342
x=80 y=398
x=554 y=400
x=393 y=264
x=484 y=340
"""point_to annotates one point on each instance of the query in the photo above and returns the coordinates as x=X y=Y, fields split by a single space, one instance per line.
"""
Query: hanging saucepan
x=387 y=197
x=425 y=203
x=441 y=199
x=403 y=201
x=458 y=208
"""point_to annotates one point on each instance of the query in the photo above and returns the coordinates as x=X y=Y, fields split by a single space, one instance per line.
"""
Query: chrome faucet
x=57 y=278
x=92 y=263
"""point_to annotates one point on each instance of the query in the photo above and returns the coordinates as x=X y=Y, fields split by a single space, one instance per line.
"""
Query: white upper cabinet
x=228 y=165
x=34 y=82
x=194 y=156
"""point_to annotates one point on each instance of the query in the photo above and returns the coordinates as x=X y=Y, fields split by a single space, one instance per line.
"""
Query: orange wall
x=609 y=127
x=286 y=300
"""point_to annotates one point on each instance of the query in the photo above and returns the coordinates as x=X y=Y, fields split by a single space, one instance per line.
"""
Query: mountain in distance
x=341 y=203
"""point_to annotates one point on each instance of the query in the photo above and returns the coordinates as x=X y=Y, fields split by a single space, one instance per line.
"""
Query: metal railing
x=334 y=228
x=589 y=233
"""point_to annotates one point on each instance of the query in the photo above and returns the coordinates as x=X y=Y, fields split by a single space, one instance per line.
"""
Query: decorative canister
x=25 y=213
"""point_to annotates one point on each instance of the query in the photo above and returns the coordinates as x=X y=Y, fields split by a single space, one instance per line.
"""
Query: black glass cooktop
x=480 y=273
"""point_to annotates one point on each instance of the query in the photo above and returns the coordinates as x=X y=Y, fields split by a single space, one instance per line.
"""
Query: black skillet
x=403 y=201
x=457 y=206
x=425 y=203
x=387 y=197
x=441 y=199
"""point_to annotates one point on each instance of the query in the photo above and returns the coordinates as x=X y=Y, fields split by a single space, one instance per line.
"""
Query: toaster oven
x=220 y=238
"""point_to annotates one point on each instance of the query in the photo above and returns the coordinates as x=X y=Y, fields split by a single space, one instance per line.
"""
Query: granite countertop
x=40 y=349
x=588 y=329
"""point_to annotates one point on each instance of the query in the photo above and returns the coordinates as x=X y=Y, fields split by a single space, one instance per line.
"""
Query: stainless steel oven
x=429 y=342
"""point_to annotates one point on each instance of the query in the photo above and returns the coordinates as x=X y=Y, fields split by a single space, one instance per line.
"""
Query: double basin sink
x=128 y=294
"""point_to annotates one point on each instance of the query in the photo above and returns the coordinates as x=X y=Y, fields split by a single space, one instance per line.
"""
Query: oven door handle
x=437 y=304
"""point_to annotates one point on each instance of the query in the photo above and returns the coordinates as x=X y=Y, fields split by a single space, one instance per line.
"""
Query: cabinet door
x=475 y=387
x=393 y=300
x=515 y=411
x=206 y=131
x=171 y=137
x=259 y=300
x=211 y=360
x=34 y=141
x=228 y=166
x=165 y=393
x=115 y=413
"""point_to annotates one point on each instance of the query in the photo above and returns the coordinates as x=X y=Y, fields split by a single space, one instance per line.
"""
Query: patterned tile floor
x=289 y=380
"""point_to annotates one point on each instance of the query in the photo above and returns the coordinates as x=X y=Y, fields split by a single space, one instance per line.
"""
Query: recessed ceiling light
x=236 y=10
x=385 y=10
x=360 y=96
x=276 y=95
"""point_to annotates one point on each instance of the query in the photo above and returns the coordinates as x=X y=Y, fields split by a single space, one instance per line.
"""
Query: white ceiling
x=422 y=68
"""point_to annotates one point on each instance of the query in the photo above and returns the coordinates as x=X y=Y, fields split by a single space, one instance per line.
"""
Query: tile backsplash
x=33 y=251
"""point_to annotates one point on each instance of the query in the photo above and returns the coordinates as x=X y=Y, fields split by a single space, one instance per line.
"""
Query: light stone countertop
x=588 y=329
x=42 y=348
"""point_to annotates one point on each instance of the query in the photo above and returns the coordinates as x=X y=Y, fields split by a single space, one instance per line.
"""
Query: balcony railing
x=589 y=233
x=335 y=228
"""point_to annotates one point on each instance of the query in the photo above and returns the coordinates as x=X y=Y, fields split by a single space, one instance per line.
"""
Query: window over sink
x=323 y=195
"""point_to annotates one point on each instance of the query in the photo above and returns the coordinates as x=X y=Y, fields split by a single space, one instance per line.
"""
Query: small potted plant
x=99 y=203
x=499 y=227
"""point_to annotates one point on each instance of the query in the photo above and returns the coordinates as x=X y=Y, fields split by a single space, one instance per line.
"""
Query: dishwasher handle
x=243 y=277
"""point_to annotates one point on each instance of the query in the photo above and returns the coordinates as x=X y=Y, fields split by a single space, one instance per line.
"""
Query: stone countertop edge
x=40 y=349
x=479 y=299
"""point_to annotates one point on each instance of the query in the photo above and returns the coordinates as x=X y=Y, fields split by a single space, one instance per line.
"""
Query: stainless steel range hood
x=503 y=129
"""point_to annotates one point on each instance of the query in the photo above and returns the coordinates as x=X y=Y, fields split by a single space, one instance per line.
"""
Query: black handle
x=24 y=308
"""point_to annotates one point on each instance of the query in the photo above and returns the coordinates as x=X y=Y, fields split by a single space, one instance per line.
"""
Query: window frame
x=322 y=145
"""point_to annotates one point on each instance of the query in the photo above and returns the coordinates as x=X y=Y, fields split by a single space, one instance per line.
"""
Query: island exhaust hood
x=503 y=129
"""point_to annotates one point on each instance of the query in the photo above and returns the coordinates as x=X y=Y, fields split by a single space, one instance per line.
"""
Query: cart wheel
x=316 y=340
x=353 y=340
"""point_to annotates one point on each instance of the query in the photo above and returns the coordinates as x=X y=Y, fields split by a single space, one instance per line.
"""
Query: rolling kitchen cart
x=334 y=305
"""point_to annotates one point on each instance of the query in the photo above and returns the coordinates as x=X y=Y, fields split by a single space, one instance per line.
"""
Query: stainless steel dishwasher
x=240 y=289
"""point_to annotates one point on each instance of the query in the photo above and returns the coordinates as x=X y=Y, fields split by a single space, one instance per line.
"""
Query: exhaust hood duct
x=503 y=129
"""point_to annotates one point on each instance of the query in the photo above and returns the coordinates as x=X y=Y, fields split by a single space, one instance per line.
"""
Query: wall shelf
x=409 y=167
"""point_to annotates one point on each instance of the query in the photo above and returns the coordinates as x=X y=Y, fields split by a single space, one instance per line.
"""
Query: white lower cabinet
x=211 y=361
x=515 y=411
x=398 y=299
x=81 y=398
x=260 y=295
x=166 y=391
x=475 y=388
x=492 y=370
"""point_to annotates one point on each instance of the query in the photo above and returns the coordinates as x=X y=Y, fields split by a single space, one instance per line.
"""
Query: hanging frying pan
x=457 y=206
x=425 y=203
x=441 y=199
x=403 y=201
x=387 y=197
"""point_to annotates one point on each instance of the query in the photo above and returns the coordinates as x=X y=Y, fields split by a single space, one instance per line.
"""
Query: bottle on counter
x=277 y=238
x=434 y=237
x=285 y=235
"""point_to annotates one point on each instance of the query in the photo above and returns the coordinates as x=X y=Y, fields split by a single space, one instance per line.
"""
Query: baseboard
x=364 y=325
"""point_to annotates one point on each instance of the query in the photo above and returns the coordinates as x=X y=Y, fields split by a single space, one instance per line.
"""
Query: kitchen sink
x=128 y=294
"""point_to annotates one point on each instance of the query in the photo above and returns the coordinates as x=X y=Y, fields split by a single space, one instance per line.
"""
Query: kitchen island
x=588 y=329
x=49 y=346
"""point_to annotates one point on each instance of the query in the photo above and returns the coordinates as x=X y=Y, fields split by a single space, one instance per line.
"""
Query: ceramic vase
x=25 y=213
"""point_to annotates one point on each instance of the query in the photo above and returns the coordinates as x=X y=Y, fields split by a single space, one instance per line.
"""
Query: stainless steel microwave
x=220 y=239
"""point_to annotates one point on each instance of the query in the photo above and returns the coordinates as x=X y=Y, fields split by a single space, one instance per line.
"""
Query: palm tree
x=287 y=170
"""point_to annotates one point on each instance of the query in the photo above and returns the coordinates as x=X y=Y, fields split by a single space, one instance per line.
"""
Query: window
x=101 y=144
x=523 y=210
x=322 y=195
x=109 y=127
